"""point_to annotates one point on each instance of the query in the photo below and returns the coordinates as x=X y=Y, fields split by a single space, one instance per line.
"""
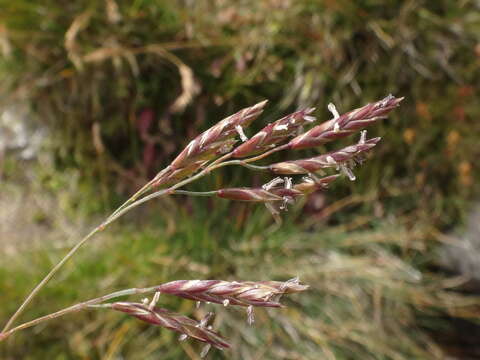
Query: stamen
x=308 y=179
x=336 y=116
x=204 y=322
x=272 y=183
x=331 y=160
x=145 y=301
x=240 y=132
x=226 y=302
x=154 y=301
x=183 y=337
x=280 y=127
x=286 y=200
x=333 y=109
x=250 y=315
x=363 y=137
x=309 y=118
x=288 y=182
x=346 y=170
x=336 y=127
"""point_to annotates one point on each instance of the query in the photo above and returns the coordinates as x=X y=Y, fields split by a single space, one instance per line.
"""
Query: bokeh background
x=99 y=95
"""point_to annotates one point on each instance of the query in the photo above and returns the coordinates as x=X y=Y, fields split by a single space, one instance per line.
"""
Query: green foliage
x=359 y=292
x=102 y=67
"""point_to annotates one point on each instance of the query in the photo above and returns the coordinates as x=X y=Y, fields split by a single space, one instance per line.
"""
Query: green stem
x=194 y=193
x=78 y=307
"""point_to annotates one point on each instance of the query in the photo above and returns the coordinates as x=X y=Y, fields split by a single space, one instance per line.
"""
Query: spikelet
x=345 y=124
x=173 y=321
x=275 y=193
x=332 y=159
x=209 y=145
x=243 y=293
x=212 y=141
x=274 y=133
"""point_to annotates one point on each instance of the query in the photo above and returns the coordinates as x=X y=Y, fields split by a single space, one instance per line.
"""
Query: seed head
x=345 y=124
x=214 y=140
x=328 y=160
x=244 y=293
x=173 y=321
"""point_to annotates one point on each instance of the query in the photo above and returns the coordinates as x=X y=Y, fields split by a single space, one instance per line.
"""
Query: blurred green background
x=99 y=95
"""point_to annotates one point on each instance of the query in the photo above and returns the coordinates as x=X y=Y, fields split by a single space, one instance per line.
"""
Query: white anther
x=336 y=116
x=288 y=182
x=240 y=132
x=204 y=322
x=226 y=302
x=145 y=301
x=250 y=315
x=347 y=171
x=280 y=127
x=333 y=109
x=309 y=118
x=308 y=179
x=272 y=183
x=331 y=160
x=183 y=337
x=363 y=137
x=154 y=301
x=286 y=200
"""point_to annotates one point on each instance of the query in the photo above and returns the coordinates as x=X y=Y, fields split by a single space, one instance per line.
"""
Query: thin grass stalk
x=205 y=147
